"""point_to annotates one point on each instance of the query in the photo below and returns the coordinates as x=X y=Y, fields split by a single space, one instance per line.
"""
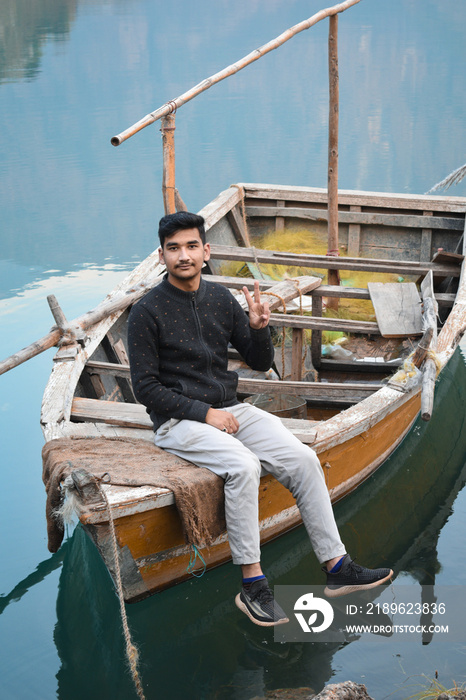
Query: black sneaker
x=259 y=605
x=351 y=578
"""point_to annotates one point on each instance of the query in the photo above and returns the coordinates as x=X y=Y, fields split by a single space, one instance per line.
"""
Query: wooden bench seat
x=128 y=415
x=324 y=290
x=135 y=416
x=309 y=390
x=274 y=257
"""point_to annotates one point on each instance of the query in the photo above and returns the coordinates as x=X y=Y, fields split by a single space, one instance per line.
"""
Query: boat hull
x=154 y=555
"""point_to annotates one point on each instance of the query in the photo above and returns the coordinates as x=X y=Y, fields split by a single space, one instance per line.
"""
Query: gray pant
x=261 y=442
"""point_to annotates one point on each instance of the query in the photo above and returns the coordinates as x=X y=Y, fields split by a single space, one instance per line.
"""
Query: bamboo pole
x=180 y=205
x=332 y=244
x=48 y=341
x=170 y=107
x=423 y=346
x=429 y=374
x=104 y=309
x=57 y=313
x=168 y=179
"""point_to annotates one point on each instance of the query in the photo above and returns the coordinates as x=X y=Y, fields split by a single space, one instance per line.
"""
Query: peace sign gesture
x=259 y=312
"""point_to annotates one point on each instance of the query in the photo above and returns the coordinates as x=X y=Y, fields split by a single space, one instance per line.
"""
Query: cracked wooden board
x=397 y=308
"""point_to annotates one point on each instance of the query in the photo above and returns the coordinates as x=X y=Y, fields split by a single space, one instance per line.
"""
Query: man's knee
x=301 y=453
x=244 y=472
x=303 y=464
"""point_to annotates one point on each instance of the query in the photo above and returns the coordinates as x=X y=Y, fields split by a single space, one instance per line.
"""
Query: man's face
x=184 y=255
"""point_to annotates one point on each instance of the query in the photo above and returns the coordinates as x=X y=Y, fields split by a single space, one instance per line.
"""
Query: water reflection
x=68 y=197
x=43 y=569
x=25 y=27
x=92 y=279
x=183 y=630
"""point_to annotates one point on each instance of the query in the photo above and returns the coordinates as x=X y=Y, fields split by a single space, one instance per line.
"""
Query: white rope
x=71 y=505
x=132 y=653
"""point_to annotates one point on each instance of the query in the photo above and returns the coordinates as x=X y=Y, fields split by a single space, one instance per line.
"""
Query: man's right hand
x=224 y=421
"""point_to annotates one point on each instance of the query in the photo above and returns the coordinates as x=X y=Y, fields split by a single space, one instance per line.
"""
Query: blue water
x=76 y=214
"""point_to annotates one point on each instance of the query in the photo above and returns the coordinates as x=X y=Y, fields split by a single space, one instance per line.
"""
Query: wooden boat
x=353 y=424
x=353 y=420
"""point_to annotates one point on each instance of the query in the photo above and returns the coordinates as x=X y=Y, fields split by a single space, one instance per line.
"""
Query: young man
x=178 y=343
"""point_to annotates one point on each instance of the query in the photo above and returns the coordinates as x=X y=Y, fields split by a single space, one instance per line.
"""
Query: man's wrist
x=260 y=333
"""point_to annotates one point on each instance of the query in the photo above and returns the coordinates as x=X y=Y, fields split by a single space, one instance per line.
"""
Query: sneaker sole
x=245 y=609
x=345 y=590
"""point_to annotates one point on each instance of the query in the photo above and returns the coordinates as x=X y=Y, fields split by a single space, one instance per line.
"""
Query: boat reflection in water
x=193 y=642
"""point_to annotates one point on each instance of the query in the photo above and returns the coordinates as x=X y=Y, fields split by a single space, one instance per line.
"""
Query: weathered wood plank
x=429 y=374
x=297 y=355
x=325 y=324
x=135 y=416
x=316 y=339
x=426 y=244
x=426 y=240
x=324 y=290
x=113 y=412
x=275 y=257
x=98 y=385
x=441 y=256
x=331 y=392
x=279 y=220
x=344 y=366
x=104 y=430
x=116 y=351
x=236 y=222
x=222 y=204
x=444 y=299
x=304 y=430
x=360 y=366
x=289 y=289
x=362 y=218
x=397 y=308
x=355 y=197
x=117 y=370
x=354 y=235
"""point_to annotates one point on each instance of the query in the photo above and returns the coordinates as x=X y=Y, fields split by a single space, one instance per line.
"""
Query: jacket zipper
x=206 y=349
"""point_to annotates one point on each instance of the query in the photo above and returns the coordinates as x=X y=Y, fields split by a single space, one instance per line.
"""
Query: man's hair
x=172 y=223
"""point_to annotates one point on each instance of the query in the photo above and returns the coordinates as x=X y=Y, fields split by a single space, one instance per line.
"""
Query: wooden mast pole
x=168 y=180
x=169 y=107
x=333 y=250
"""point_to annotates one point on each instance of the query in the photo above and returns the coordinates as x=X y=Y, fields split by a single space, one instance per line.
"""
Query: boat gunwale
x=348 y=197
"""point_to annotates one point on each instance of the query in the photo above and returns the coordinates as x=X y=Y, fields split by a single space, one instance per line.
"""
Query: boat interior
x=343 y=321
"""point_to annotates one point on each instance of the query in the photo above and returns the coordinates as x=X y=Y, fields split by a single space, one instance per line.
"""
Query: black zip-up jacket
x=178 y=349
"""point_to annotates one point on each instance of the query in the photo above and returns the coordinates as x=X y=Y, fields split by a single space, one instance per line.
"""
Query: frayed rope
x=195 y=554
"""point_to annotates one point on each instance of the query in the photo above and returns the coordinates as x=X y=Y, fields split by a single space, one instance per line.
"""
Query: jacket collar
x=179 y=294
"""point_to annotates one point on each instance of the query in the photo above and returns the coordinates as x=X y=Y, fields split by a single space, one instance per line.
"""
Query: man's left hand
x=259 y=313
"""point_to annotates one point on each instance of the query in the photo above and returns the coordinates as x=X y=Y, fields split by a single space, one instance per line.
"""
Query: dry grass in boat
x=298 y=240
